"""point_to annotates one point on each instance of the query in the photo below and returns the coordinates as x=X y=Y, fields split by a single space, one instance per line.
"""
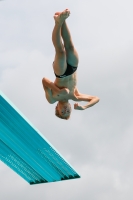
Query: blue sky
x=98 y=142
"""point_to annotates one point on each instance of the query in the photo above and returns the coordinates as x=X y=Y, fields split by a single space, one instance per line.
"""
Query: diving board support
x=26 y=151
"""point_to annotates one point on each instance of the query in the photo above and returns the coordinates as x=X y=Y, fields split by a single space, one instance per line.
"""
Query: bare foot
x=57 y=13
x=61 y=16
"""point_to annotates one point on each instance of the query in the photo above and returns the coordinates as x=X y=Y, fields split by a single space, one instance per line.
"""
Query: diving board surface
x=26 y=151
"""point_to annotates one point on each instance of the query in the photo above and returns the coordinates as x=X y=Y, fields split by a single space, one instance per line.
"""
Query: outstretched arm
x=92 y=100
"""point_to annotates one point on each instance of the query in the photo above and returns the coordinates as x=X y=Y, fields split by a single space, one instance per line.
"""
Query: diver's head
x=63 y=110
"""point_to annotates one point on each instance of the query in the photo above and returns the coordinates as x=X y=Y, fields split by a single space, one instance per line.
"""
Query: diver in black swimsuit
x=65 y=64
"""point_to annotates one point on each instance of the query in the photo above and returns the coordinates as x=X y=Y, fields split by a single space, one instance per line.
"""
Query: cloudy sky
x=97 y=142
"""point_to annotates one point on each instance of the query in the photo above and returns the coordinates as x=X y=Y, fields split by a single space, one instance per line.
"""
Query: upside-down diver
x=65 y=67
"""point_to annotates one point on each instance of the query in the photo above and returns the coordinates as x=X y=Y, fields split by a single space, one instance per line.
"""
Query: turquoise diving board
x=26 y=151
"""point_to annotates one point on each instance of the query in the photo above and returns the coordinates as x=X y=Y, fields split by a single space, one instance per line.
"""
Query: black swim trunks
x=70 y=70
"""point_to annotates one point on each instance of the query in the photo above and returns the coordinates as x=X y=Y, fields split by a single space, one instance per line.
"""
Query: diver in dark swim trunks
x=65 y=66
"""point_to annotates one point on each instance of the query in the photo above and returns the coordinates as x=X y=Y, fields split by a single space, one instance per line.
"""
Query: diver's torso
x=69 y=82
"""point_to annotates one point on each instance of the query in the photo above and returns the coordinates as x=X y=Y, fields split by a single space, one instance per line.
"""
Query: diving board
x=26 y=151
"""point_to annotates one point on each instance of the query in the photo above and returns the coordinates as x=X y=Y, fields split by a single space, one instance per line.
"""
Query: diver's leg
x=66 y=35
x=60 y=56
x=56 y=38
x=72 y=55
x=71 y=52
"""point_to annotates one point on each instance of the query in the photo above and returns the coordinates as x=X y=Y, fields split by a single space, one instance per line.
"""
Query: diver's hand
x=64 y=91
x=78 y=107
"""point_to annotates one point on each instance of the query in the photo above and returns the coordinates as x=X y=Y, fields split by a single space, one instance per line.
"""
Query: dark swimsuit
x=70 y=70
